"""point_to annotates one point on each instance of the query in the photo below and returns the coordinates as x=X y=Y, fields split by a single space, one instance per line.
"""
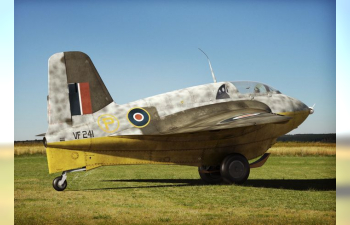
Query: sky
x=146 y=48
x=7 y=70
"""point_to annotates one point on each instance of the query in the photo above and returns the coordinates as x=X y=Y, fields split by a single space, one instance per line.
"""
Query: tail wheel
x=210 y=174
x=57 y=184
x=235 y=169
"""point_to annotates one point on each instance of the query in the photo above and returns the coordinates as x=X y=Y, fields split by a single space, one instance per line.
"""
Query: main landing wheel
x=210 y=174
x=58 y=184
x=235 y=169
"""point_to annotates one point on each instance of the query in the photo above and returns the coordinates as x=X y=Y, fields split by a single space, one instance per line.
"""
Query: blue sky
x=7 y=70
x=142 y=49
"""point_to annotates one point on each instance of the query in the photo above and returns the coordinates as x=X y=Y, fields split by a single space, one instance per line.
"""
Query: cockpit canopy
x=252 y=87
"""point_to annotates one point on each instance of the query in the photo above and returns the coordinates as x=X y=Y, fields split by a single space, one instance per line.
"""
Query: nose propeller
x=312 y=109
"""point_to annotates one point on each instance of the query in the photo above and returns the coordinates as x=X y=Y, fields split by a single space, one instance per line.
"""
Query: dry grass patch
x=30 y=149
x=303 y=149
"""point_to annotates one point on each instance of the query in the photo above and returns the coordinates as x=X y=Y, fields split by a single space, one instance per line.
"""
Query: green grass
x=286 y=190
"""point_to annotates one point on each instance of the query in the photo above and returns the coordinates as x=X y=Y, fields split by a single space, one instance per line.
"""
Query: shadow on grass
x=169 y=182
x=311 y=184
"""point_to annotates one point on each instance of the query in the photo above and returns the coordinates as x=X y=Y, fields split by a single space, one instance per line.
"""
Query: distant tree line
x=30 y=141
x=326 y=138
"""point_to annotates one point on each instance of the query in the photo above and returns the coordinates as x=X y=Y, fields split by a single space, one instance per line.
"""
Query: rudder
x=75 y=87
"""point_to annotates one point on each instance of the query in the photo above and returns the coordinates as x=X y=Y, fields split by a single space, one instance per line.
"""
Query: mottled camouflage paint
x=182 y=130
x=59 y=115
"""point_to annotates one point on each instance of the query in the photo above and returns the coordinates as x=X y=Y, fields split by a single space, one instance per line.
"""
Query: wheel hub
x=236 y=169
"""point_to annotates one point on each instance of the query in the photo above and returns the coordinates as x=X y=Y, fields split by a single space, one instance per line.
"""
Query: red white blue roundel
x=139 y=117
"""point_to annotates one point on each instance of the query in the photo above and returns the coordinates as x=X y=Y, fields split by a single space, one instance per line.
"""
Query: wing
x=219 y=116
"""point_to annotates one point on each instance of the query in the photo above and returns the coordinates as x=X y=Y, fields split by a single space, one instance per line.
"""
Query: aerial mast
x=211 y=69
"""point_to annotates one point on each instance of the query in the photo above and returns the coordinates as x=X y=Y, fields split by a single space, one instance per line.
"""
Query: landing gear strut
x=210 y=174
x=60 y=183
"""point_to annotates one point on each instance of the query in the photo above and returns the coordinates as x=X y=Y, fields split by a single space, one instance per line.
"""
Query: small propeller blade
x=312 y=109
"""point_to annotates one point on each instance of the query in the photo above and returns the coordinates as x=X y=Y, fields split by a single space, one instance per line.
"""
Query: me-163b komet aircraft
x=217 y=127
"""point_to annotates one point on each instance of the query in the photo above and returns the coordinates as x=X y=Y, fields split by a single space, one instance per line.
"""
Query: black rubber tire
x=58 y=187
x=210 y=178
x=235 y=169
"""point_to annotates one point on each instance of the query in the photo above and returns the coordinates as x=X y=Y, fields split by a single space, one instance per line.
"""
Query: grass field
x=26 y=148
x=303 y=149
x=286 y=190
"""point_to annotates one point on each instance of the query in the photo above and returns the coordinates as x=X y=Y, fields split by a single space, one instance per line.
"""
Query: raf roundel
x=139 y=117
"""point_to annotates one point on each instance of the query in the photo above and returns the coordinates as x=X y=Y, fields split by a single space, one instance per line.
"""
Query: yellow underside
x=62 y=159
x=199 y=149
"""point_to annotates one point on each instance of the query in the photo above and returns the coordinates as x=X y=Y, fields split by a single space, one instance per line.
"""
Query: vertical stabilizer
x=75 y=87
x=58 y=100
x=80 y=69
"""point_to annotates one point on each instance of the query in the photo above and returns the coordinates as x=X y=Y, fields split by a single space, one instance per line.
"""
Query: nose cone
x=301 y=111
x=299 y=106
